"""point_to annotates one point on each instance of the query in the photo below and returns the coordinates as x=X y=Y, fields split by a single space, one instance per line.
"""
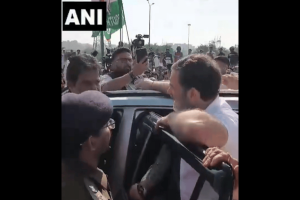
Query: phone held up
x=140 y=54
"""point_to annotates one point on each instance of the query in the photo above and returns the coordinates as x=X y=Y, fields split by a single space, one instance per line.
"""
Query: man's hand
x=139 y=68
x=133 y=193
x=143 y=83
x=164 y=122
x=232 y=82
x=215 y=157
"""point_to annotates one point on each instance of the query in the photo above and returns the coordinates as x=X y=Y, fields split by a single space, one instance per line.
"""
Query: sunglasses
x=110 y=124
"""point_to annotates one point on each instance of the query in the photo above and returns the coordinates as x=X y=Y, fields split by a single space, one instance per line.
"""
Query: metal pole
x=189 y=37
x=102 y=44
x=149 y=23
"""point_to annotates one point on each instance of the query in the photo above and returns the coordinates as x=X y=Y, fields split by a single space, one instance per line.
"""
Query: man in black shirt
x=123 y=70
x=233 y=57
x=221 y=52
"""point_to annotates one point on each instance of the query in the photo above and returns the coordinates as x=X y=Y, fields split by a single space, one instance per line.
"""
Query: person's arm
x=160 y=86
x=196 y=127
x=116 y=84
x=155 y=174
x=231 y=81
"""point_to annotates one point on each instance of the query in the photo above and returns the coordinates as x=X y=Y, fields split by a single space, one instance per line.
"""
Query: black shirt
x=221 y=54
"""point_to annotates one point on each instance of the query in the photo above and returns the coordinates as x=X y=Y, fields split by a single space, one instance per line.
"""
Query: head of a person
x=150 y=55
x=190 y=51
x=194 y=82
x=221 y=49
x=167 y=51
x=223 y=63
x=121 y=60
x=71 y=51
x=94 y=53
x=201 y=51
x=63 y=51
x=231 y=48
x=86 y=125
x=178 y=49
x=210 y=48
x=83 y=73
x=78 y=51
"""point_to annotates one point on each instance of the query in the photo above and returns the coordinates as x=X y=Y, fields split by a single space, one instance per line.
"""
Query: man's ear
x=194 y=95
x=71 y=85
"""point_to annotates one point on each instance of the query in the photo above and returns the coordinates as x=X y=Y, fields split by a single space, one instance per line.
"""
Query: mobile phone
x=140 y=54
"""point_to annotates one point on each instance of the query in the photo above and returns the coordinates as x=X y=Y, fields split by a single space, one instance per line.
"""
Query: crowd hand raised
x=139 y=68
x=143 y=83
x=230 y=81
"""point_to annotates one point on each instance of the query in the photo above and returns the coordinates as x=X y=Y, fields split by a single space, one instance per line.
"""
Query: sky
x=170 y=19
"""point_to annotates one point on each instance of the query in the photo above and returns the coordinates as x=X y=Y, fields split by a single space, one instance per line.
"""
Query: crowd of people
x=200 y=117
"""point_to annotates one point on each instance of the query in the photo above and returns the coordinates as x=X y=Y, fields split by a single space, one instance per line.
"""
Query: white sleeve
x=104 y=79
x=230 y=120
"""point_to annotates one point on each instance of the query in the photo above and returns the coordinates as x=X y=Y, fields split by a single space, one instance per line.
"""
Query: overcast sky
x=169 y=19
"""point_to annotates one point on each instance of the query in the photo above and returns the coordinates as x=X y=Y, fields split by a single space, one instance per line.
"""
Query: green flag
x=115 y=18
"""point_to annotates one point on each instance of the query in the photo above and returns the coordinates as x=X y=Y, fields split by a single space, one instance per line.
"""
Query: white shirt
x=222 y=111
x=157 y=62
x=104 y=79
x=65 y=70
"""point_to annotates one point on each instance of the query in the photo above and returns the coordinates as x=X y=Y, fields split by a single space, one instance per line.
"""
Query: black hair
x=79 y=64
x=199 y=72
x=222 y=59
x=118 y=51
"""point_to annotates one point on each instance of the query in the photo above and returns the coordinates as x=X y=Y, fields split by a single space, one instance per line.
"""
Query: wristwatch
x=133 y=77
x=142 y=191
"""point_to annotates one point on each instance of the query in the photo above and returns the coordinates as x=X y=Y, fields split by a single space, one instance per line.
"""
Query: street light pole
x=189 y=37
x=149 y=19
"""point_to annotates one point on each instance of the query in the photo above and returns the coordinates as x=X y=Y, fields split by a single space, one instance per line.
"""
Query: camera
x=106 y=60
x=139 y=42
x=137 y=49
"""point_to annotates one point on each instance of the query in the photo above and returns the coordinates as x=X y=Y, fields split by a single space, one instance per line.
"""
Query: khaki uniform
x=81 y=182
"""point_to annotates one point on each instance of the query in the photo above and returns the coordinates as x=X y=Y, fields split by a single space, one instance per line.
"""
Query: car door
x=214 y=184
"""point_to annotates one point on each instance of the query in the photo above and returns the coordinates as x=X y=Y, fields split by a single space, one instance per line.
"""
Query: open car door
x=216 y=183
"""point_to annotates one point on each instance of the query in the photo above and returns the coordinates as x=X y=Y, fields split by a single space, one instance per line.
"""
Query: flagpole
x=102 y=44
x=125 y=24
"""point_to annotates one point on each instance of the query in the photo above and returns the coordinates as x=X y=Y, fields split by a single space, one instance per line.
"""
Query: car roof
x=150 y=98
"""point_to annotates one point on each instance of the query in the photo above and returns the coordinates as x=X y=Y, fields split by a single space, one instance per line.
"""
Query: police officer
x=86 y=127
